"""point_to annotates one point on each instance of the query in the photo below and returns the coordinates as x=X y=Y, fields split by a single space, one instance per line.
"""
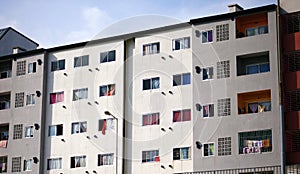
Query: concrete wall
x=163 y=65
x=206 y=92
x=27 y=148
x=91 y=109
x=289 y=6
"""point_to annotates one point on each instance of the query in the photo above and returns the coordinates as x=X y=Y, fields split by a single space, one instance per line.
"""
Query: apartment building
x=202 y=96
x=290 y=53
x=21 y=97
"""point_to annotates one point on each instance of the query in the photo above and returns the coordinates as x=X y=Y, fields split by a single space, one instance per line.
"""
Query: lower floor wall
x=256 y=170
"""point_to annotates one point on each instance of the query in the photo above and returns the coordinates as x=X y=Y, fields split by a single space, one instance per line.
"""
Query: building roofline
x=10 y=28
x=22 y=54
x=232 y=15
x=119 y=37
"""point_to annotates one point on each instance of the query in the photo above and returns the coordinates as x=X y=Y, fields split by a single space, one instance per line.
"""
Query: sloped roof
x=3 y=31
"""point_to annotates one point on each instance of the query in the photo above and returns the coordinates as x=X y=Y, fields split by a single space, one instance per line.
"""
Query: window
x=255 y=141
x=223 y=69
x=293 y=22
x=78 y=161
x=108 y=56
x=54 y=163
x=152 y=48
x=81 y=61
x=21 y=68
x=256 y=30
x=253 y=63
x=151 y=119
x=224 y=146
x=181 y=79
x=28 y=165
x=181 y=43
x=207 y=36
x=19 y=100
x=152 y=83
x=3 y=164
x=56 y=130
x=107 y=90
x=79 y=127
x=56 y=97
x=293 y=61
x=254 y=102
x=30 y=99
x=28 y=131
x=222 y=32
x=31 y=68
x=4 y=100
x=106 y=124
x=208 y=149
x=182 y=115
x=58 y=65
x=208 y=110
x=150 y=156
x=224 y=107
x=4 y=133
x=18 y=129
x=5 y=69
x=79 y=94
x=207 y=73
x=105 y=159
x=16 y=164
x=182 y=153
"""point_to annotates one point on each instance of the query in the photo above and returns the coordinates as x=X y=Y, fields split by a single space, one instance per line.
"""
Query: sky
x=60 y=22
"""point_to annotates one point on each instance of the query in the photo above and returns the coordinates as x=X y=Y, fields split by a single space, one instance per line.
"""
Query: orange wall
x=251 y=21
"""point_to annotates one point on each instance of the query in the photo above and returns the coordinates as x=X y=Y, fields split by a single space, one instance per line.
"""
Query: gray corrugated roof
x=2 y=31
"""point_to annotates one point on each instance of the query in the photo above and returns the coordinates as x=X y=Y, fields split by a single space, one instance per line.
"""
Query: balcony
x=254 y=102
x=252 y=25
x=4 y=132
x=253 y=63
x=5 y=69
x=5 y=100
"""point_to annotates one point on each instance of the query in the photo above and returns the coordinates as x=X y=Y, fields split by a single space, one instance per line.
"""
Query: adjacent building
x=203 y=96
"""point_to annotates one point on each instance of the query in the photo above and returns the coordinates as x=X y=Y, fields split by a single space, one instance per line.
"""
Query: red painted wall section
x=292 y=81
x=292 y=120
x=291 y=42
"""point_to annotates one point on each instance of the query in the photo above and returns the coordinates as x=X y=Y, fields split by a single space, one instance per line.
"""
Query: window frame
x=208 y=144
x=81 y=128
x=33 y=69
x=30 y=99
x=31 y=132
x=56 y=132
x=207 y=37
x=151 y=159
x=83 y=93
x=79 y=158
x=181 y=112
x=182 y=44
x=150 y=119
x=151 y=83
x=182 y=79
x=80 y=61
x=211 y=109
x=107 y=92
x=53 y=159
x=107 y=56
x=57 y=97
x=26 y=162
x=58 y=65
x=151 y=48
x=209 y=74
x=106 y=162
x=181 y=157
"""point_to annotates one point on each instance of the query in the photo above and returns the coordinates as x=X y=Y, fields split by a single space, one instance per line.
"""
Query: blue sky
x=59 y=22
